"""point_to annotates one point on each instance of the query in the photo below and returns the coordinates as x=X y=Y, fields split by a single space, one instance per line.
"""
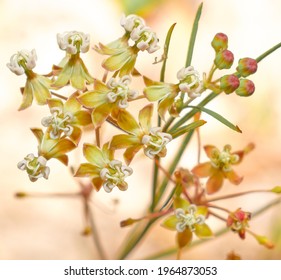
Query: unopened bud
x=246 y=88
x=224 y=59
x=229 y=83
x=247 y=66
x=220 y=42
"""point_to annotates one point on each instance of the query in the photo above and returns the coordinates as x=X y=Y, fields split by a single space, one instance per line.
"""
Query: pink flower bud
x=220 y=42
x=247 y=66
x=229 y=83
x=246 y=88
x=224 y=59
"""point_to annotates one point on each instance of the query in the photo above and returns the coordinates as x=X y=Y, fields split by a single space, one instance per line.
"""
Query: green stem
x=267 y=53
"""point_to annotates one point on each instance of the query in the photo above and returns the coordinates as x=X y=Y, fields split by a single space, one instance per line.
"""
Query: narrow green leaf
x=181 y=130
x=165 y=54
x=193 y=36
x=218 y=117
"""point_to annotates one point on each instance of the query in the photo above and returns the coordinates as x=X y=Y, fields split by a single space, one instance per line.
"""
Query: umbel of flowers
x=183 y=199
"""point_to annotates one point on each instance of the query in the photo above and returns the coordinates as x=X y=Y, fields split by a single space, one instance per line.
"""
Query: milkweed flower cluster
x=94 y=102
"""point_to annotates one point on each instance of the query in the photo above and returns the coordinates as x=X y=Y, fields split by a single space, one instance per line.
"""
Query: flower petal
x=184 y=238
x=87 y=170
x=233 y=177
x=76 y=135
x=115 y=62
x=170 y=222
x=94 y=155
x=64 y=76
x=59 y=148
x=164 y=106
x=92 y=99
x=215 y=182
x=128 y=67
x=203 y=169
x=77 y=80
x=82 y=118
x=123 y=141
x=159 y=91
x=55 y=103
x=38 y=133
x=181 y=203
x=100 y=114
x=97 y=183
x=100 y=86
x=203 y=231
x=209 y=150
x=130 y=153
x=27 y=96
x=145 y=116
x=108 y=153
x=41 y=91
x=72 y=104
x=128 y=123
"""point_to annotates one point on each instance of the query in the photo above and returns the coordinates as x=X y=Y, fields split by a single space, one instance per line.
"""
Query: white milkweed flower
x=21 y=61
x=74 y=42
x=35 y=167
x=145 y=39
x=190 y=81
x=131 y=21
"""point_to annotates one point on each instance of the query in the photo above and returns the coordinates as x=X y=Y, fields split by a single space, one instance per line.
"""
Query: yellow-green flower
x=72 y=68
x=48 y=148
x=103 y=169
x=36 y=85
x=108 y=97
x=188 y=219
x=66 y=118
x=220 y=166
x=123 y=52
x=140 y=135
x=169 y=94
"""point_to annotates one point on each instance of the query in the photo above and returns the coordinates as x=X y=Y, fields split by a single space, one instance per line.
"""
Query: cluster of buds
x=224 y=60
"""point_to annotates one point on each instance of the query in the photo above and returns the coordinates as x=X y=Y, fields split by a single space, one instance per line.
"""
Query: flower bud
x=220 y=42
x=247 y=66
x=224 y=59
x=246 y=88
x=229 y=83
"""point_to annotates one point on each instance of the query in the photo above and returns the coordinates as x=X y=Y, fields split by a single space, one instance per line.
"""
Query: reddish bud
x=224 y=59
x=229 y=83
x=220 y=42
x=246 y=88
x=247 y=66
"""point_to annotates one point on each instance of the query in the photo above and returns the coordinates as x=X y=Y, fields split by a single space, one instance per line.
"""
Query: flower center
x=188 y=219
x=114 y=175
x=120 y=92
x=59 y=123
x=155 y=142
x=190 y=82
x=35 y=167
x=224 y=159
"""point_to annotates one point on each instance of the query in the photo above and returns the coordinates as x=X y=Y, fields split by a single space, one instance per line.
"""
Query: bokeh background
x=50 y=228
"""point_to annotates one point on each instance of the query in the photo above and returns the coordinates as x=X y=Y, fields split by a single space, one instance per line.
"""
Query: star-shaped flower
x=36 y=85
x=220 y=166
x=103 y=169
x=48 y=148
x=108 y=97
x=140 y=135
x=168 y=94
x=66 y=118
x=72 y=68
x=188 y=219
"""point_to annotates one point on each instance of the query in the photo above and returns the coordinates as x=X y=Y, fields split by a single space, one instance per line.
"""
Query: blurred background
x=50 y=228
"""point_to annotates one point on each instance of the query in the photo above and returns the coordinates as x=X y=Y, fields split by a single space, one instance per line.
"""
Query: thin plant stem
x=59 y=95
x=97 y=132
x=237 y=194
x=95 y=234
x=217 y=216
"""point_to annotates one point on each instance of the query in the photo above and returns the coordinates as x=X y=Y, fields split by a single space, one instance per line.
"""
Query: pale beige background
x=42 y=228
